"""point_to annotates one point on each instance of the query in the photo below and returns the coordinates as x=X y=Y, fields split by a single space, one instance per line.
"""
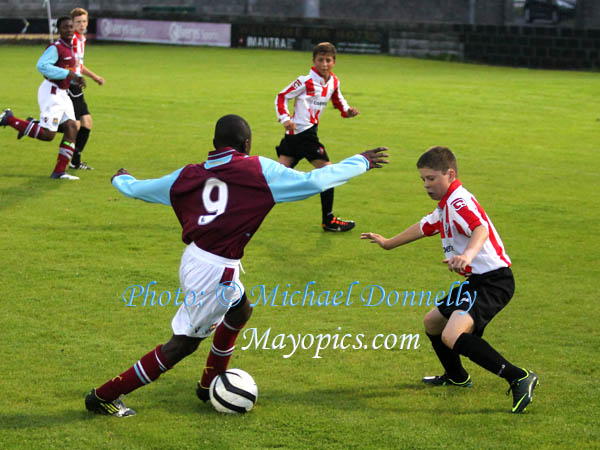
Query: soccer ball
x=233 y=392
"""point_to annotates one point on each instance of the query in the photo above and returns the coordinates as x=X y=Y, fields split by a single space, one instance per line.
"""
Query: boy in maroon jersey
x=311 y=93
x=220 y=205
x=473 y=248
x=57 y=64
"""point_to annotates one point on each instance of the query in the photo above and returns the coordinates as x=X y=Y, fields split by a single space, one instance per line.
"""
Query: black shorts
x=302 y=145
x=489 y=293
x=79 y=104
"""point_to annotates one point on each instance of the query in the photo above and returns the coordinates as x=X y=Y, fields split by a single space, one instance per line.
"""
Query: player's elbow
x=482 y=231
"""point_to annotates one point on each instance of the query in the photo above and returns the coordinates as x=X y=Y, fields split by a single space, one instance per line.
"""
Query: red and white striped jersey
x=311 y=94
x=79 y=49
x=455 y=218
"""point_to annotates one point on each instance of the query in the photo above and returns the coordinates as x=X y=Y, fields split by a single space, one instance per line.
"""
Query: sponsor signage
x=348 y=40
x=164 y=32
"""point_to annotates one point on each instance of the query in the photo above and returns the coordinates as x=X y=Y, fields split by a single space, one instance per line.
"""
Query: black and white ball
x=233 y=392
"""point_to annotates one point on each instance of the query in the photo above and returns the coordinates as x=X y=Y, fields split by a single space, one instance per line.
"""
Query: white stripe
x=218 y=352
x=230 y=327
x=162 y=368
x=28 y=129
x=143 y=372
x=66 y=153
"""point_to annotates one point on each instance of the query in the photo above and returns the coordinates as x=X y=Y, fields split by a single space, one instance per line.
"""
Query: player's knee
x=69 y=129
x=86 y=121
x=449 y=338
x=179 y=347
x=46 y=135
x=238 y=316
x=431 y=323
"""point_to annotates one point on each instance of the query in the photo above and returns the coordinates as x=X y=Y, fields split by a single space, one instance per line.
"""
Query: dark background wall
x=487 y=12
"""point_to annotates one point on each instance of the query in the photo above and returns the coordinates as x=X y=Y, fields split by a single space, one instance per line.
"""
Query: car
x=550 y=10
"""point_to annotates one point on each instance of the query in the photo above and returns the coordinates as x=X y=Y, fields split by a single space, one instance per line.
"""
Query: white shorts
x=55 y=106
x=211 y=285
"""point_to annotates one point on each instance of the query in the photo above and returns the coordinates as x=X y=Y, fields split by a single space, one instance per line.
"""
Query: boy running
x=57 y=65
x=82 y=114
x=311 y=93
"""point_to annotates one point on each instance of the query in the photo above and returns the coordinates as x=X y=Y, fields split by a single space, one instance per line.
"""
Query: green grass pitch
x=527 y=143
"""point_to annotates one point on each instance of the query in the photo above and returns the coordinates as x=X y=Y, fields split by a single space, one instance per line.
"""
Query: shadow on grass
x=33 y=186
x=344 y=398
x=41 y=420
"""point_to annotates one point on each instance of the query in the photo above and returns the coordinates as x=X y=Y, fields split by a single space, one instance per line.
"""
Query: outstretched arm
x=289 y=185
x=410 y=234
x=154 y=190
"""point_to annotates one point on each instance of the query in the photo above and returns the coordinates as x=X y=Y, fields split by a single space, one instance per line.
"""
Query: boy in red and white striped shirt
x=311 y=93
x=82 y=113
x=472 y=248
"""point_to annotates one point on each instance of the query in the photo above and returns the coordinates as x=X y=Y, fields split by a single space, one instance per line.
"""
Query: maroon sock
x=143 y=372
x=24 y=127
x=65 y=153
x=220 y=352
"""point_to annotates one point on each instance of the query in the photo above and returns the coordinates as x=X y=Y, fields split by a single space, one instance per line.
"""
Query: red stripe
x=449 y=227
x=282 y=103
x=310 y=88
x=492 y=236
x=228 y=274
x=469 y=216
x=459 y=228
x=429 y=229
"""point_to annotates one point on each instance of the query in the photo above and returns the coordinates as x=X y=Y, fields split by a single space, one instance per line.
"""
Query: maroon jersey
x=221 y=207
x=222 y=202
x=66 y=60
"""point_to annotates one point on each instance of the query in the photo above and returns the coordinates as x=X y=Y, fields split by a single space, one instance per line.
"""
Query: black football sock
x=76 y=159
x=483 y=354
x=82 y=136
x=327 y=205
x=449 y=359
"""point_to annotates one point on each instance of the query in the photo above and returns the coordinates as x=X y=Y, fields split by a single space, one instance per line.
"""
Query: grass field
x=527 y=143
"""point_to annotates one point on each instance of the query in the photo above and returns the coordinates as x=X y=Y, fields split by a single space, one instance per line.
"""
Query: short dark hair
x=231 y=131
x=326 y=48
x=61 y=19
x=438 y=158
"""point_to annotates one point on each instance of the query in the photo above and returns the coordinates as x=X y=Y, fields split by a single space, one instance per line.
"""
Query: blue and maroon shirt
x=56 y=62
x=221 y=203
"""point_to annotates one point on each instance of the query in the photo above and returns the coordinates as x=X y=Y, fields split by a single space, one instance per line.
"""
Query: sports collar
x=321 y=79
x=453 y=186
x=224 y=151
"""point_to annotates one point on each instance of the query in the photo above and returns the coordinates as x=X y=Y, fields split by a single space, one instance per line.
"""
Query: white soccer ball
x=233 y=392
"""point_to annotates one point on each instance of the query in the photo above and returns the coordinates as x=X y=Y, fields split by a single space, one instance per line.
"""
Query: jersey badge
x=459 y=203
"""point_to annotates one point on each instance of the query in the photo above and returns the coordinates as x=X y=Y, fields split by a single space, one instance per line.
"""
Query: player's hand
x=78 y=80
x=353 y=112
x=99 y=80
x=121 y=171
x=289 y=125
x=375 y=157
x=458 y=263
x=375 y=238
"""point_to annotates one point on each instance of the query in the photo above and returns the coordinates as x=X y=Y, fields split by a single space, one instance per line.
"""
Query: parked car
x=551 y=10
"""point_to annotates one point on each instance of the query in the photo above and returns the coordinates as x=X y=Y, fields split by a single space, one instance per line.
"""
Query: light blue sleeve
x=289 y=185
x=46 y=66
x=156 y=190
